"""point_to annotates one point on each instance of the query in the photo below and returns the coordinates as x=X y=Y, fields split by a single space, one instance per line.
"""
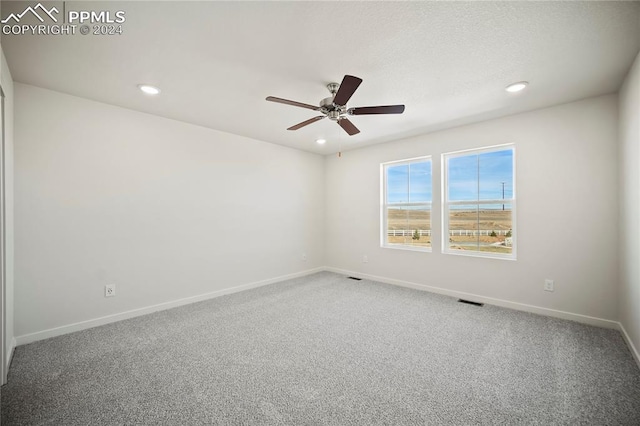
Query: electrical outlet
x=548 y=285
x=365 y=259
x=109 y=290
x=304 y=257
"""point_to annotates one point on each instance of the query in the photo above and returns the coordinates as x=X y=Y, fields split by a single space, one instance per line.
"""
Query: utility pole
x=502 y=195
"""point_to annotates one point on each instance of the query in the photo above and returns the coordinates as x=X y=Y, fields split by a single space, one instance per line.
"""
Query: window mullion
x=478 y=204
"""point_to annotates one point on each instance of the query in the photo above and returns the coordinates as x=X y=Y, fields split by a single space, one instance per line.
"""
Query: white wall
x=566 y=211
x=630 y=206
x=163 y=209
x=7 y=87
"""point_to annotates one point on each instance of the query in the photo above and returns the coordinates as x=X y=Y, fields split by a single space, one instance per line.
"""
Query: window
x=479 y=202
x=406 y=204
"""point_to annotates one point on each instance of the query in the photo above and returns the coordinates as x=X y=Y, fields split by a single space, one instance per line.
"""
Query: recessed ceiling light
x=516 y=87
x=149 y=90
x=321 y=141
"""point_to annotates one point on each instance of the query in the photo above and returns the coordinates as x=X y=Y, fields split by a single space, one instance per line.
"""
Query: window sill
x=485 y=255
x=407 y=248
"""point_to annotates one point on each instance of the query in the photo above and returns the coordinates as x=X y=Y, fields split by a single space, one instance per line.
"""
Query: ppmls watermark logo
x=42 y=20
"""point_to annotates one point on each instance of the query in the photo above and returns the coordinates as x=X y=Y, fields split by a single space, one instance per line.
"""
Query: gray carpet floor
x=326 y=350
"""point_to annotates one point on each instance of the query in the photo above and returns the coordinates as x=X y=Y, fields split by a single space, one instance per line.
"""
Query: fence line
x=452 y=232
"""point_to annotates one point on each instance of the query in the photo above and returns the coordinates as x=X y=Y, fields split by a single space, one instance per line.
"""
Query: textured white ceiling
x=448 y=62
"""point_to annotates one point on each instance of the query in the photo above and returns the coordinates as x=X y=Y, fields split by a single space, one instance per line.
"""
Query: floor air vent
x=469 y=302
x=354 y=278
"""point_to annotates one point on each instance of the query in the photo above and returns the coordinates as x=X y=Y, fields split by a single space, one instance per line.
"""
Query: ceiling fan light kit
x=335 y=107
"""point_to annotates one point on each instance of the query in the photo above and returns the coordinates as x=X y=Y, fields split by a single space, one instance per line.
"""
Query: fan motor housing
x=332 y=110
x=327 y=103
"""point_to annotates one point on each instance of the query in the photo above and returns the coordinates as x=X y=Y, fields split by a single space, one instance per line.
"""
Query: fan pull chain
x=339 y=135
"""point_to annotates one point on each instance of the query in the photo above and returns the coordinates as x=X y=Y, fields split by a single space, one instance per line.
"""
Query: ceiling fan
x=335 y=106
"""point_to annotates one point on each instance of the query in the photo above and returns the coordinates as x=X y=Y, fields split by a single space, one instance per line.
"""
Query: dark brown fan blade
x=348 y=126
x=347 y=88
x=292 y=103
x=305 y=123
x=388 y=109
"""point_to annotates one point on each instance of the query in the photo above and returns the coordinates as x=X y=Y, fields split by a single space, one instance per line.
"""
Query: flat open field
x=492 y=220
x=498 y=221
x=412 y=220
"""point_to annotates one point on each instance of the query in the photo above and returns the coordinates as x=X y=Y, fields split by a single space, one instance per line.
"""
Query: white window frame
x=384 y=206
x=446 y=203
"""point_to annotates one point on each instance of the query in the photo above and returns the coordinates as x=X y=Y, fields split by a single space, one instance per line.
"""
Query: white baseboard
x=83 y=325
x=632 y=348
x=585 y=319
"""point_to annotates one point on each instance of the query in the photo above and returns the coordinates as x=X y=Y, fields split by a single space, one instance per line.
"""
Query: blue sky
x=492 y=168
x=409 y=183
x=413 y=183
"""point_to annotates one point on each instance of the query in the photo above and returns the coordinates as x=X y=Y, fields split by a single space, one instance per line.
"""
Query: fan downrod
x=333 y=88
